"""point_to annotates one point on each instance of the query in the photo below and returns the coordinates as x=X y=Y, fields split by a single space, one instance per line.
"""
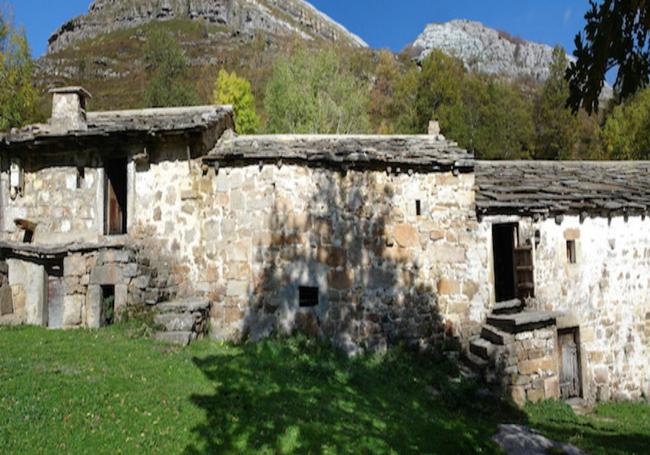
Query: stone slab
x=179 y=338
x=521 y=440
x=175 y=322
x=189 y=305
x=6 y=301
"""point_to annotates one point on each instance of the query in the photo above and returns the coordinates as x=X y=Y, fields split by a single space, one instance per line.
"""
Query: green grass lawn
x=613 y=428
x=107 y=392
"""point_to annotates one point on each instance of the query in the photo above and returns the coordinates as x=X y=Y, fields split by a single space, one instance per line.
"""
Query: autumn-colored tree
x=237 y=91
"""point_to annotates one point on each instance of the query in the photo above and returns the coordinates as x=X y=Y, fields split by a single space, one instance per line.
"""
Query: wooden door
x=115 y=197
x=569 y=352
x=524 y=272
x=55 y=293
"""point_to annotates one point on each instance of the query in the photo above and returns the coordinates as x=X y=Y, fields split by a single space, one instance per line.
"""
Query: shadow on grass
x=302 y=396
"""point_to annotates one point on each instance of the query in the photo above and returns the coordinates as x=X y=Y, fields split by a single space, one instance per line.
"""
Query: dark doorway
x=503 y=250
x=570 y=372
x=115 y=197
x=107 y=314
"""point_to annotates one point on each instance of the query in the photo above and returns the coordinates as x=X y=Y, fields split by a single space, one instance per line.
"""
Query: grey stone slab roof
x=549 y=188
x=51 y=250
x=423 y=153
x=140 y=121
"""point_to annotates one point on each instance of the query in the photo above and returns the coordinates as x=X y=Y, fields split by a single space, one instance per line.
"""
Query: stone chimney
x=434 y=128
x=69 y=108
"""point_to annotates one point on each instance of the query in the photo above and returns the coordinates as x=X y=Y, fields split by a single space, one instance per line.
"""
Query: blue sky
x=381 y=23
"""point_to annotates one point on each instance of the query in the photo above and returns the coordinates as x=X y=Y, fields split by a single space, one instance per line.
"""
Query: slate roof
x=423 y=153
x=127 y=122
x=562 y=187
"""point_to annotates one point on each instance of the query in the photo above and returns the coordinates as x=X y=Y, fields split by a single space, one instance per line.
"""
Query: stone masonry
x=362 y=240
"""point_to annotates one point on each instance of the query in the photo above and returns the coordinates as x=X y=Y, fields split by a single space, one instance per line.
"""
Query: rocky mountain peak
x=486 y=50
x=279 y=17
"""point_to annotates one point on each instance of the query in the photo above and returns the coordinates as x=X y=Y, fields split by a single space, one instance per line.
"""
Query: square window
x=307 y=296
x=571 y=251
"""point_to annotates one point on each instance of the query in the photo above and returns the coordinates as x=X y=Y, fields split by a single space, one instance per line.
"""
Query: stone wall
x=606 y=293
x=249 y=237
x=528 y=366
x=51 y=199
x=85 y=274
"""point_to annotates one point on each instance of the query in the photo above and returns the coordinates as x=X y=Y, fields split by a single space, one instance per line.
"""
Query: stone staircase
x=516 y=349
x=181 y=321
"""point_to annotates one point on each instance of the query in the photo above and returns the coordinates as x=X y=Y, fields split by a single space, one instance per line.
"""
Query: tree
x=492 y=118
x=167 y=64
x=232 y=89
x=17 y=94
x=626 y=131
x=615 y=36
x=438 y=89
x=487 y=116
x=556 y=127
x=382 y=109
x=311 y=92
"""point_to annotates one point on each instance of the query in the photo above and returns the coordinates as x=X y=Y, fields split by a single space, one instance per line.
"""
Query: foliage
x=487 y=116
x=232 y=89
x=612 y=428
x=101 y=391
x=615 y=36
x=17 y=94
x=438 y=90
x=311 y=92
x=493 y=119
x=626 y=131
x=166 y=62
x=556 y=127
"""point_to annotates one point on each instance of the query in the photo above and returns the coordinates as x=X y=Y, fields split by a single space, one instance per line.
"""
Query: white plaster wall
x=606 y=293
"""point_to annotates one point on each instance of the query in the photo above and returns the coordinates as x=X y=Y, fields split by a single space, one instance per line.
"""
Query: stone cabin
x=539 y=272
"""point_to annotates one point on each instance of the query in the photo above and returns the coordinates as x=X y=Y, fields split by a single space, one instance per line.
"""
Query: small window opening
x=307 y=296
x=81 y=177
x=418 y=207
x=107 y=315
x=28 y=228
x=28 y=237
x=571 y=251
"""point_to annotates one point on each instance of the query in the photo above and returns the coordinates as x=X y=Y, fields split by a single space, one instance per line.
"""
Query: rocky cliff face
x=278 y=17
x=486 y=50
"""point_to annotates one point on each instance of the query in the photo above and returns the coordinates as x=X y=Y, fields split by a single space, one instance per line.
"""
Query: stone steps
x=476 y=363
x=522 y=322
x=494 y=335
x=181 y=321
x=508 y=307
x=482 y=348
x=189 y=305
